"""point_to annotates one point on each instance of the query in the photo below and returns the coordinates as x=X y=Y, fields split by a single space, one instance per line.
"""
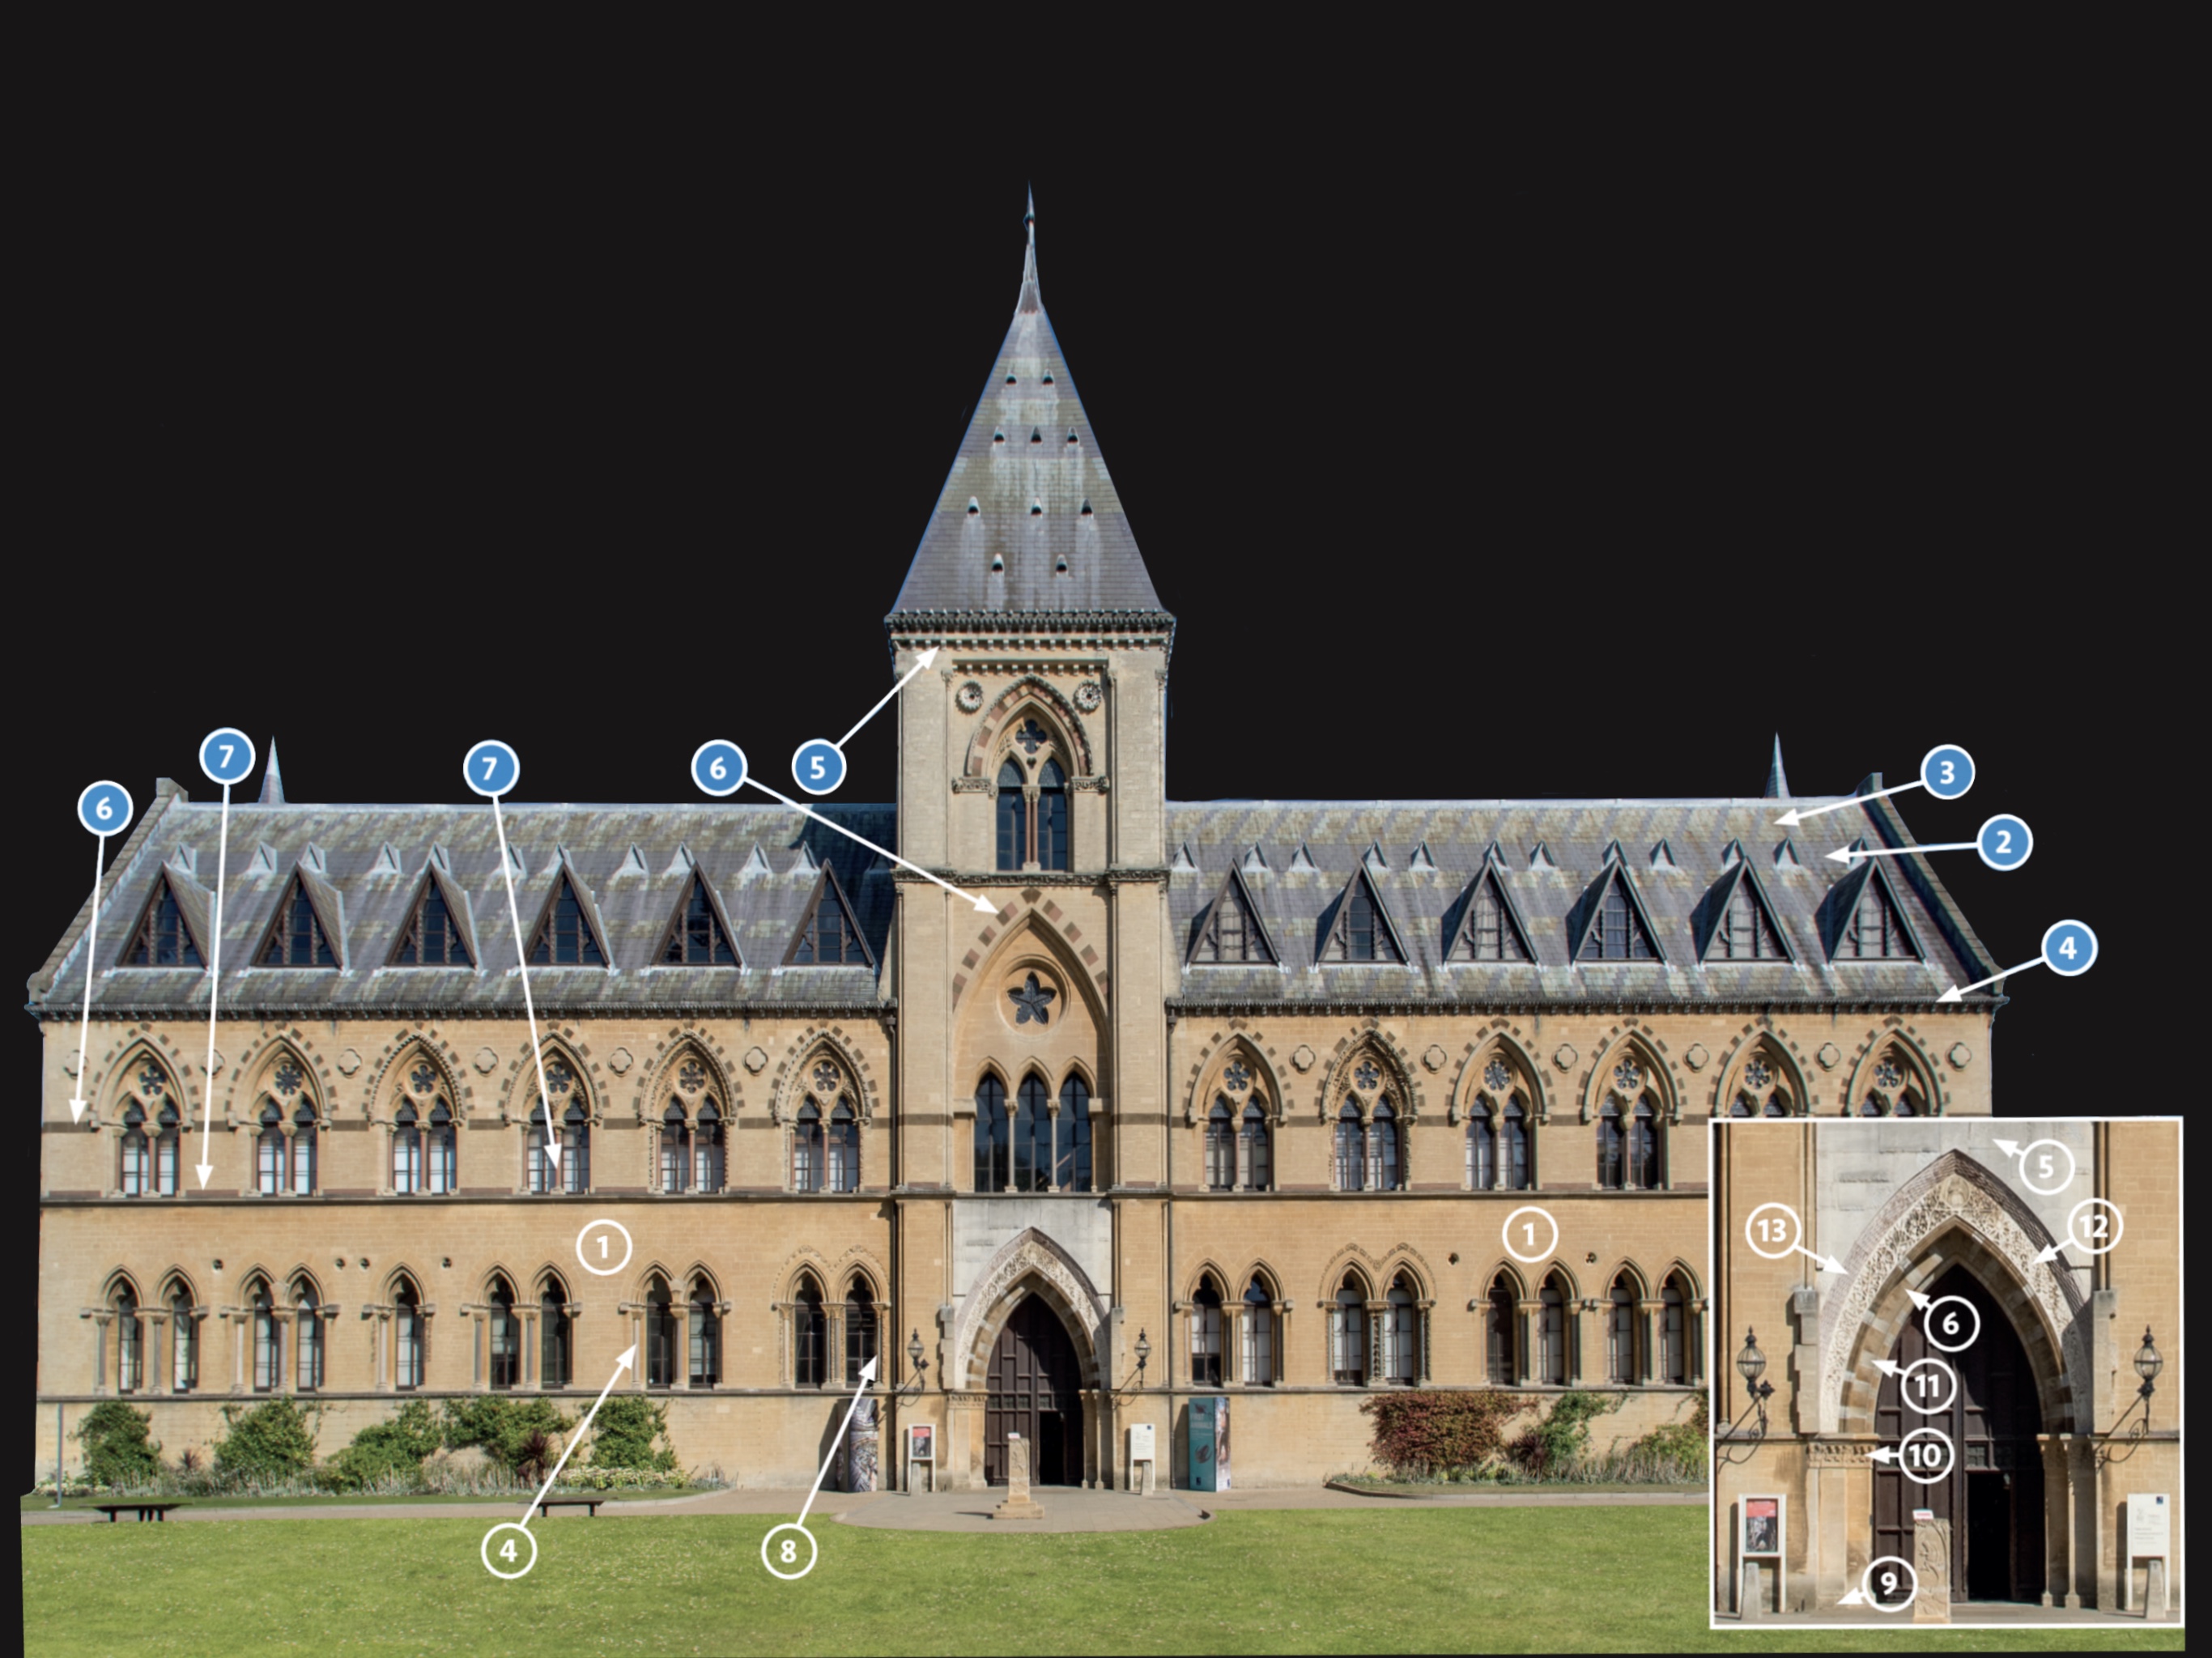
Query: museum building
x=1227 y=1099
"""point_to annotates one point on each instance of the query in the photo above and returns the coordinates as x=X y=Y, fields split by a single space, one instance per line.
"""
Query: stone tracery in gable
x=1498 y=1066
x=1631 y=1064
x=388 y=1076
x=1894 y=1077
x=996 y=732
x=1235 y=1067
x=1761 y=1070
x=1370 y=1065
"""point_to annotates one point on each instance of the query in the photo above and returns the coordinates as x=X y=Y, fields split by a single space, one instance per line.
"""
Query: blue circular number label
x=818 y=767
x=226 y=754
x=2068 y=948
x=719 y=767
x=1948 y=772
x=492 y=768
x=104 y=808
x=2004 y=841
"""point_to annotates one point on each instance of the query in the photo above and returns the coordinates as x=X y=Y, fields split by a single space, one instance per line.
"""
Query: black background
x=1576 y=452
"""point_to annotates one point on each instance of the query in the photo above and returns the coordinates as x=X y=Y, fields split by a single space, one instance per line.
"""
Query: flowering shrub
x=1423 y=1433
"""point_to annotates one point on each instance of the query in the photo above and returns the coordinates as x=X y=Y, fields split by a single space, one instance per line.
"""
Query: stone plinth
x=1751 y=1605
x=1018 y=1503
x=1931 y=1565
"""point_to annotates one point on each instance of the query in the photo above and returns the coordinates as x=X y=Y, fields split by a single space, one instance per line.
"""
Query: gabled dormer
x=308 y=929
x=438 y=931
x=1610 y=922
x=1861 y=919
x=1357 y=927
x=1486 y=925
x=568 y=933
x=830 y=936
x=699 y=934
x=1736 y=921
x=1231 y=931
x=168 y=930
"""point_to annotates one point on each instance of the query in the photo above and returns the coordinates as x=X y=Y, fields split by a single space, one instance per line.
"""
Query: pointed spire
x=273 y=781
x=1030 y=300
x=1778 y=785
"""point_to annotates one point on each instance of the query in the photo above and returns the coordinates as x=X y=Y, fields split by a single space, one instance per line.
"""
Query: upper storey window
x=162 y=938
x=432 y=937
x=1489 y=930
x=565 y=935
x=830 y=936
x=1361 y=931
x=298 y=937
x=1032 y=818
x=1874 y=929
x=1745 y=930
x=1231 y=931
x=696 y=938
x=1616 y=931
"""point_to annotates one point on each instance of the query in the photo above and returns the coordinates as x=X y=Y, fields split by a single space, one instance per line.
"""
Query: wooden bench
x=115 y=1511
x=589 y=1504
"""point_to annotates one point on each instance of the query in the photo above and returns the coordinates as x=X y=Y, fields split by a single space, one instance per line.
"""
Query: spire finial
x=1028 y=216
x=1778 y=785
x=273 y=781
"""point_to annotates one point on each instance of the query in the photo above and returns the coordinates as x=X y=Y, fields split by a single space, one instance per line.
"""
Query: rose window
x=1497 y=1076
x=1237 y=1078
x=1367 y=1075
x=151 y=1081
x=1627 y=1077
x=1031 y=1001
x=422 y=1079
x=1887 y=1075
x=1756 y=1075
x=825 y=1077
x=558 y=1077
x=1031 y=737
x=289 y=1077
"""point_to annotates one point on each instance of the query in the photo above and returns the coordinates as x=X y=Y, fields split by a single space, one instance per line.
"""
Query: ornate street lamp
x=2147 y=1365
x=1751 y=1365
x=915 y=1361
x=1144 y=1357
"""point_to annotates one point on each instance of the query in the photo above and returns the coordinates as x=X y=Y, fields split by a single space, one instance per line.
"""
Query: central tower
x=1031 y=1044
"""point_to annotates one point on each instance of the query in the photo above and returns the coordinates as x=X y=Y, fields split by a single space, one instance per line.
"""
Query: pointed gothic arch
x=1893 y=1070
x=1342 y=1076
x=575 y=1082
x=123 y=1080
x=1655 y=1071
x=1028 y=1264
x=1502 y=1047
x=1030 y=695
x=1211 y=1076
x=1764 y=1073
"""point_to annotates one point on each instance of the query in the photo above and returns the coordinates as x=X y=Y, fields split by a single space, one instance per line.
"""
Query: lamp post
x=915 y=1361
x=1144 y=1357
x=1751 y=1365
x=2149 y=1364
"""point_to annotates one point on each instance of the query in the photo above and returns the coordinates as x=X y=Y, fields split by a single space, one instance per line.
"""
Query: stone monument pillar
x=1931 y=1566
x=1018 y=1504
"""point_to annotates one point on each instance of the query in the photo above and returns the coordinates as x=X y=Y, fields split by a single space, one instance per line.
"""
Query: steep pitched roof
x=1028 y=520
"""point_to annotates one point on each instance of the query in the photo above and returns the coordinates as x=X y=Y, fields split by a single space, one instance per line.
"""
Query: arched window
x=306 y=1315
x=1348 y=1335
x=1032 y=1136
x=555 y=1335
x=859 y=1330
x=1351 y=1149
x=806 y=1148
x=1382 y=1149
x=1071 y=1162
x=1502 y=1335
x=1256 y=1364
x=303 y=1151
x=1908 y=1105
x=1205 y=1334
x=268 y=1346
x=1628 y=1147
x=406 y=1151
x=659 y=1334
x=1401 y=1335
x=1256 y=1162
x=1481 y=1149
x=991 y=1135
x=1761 y=1089
x=674 y=1149
x=269 y=1152
x=1052 y=816
x=1620 y=1333
x=137 y=1159
x=506 y=1336
x=1871 y=1107
x=1674 y=1349
x=844 y=1149
x=1519 y=1166
x=1551 y=1335
x=706 y=1142
x=167 y=1139
x=1644 y=1147
x=1013 y=817
x=442 y=1168
x=811 y=1330
x=706 y=1337
x=575 y=1149
x=409 y=1350
x=183 y=1343
x=1220 y=1147
x=130 y=1342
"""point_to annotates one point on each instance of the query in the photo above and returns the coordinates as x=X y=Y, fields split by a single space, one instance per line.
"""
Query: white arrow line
x=214 y=988
x=522 y=966
x=2050 y=1252
x=1920 y=1303
x=1852 y=1598
x=923 y=661
x=1882 y=1454
x=1802 y=813
x=1887 y=1368
x=1826 y=1265
x=1957 y=991
x=620 y=1364
x=1844 y=854
x=868 y=1375
x=984 y=905
x=2010 y=1148
x=91 y=933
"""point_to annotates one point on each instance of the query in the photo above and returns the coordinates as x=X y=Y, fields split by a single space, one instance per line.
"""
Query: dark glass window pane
x=991 y=1139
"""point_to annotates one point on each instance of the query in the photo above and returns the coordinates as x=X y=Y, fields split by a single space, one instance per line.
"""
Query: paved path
x=726 y=1502
x=1067 y=1508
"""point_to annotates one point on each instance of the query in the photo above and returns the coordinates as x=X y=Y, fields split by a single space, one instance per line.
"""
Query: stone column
x=526 y=1375
x=1650 y=1317
x=1421 y=1357
x=1530 y=1316
x=1931 y=1564
x=154 y=1358
x=100 y=1321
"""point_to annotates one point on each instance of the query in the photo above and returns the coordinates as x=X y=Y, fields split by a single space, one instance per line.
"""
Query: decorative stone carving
x=1018 y=1503
x=969 y=696
x=484 y=1061
x=620 y=1061
x=1434 y=1058
x=349 y=1061
x=1088 y=696
x=1029 y=1254
x=1302 y=1057
x=1931 y=1570
x=1960 y=1056
x=756 y=1060
x=69 y=1063
x=1830 y=1056
x=1696 y=1057
x=1565 y=1058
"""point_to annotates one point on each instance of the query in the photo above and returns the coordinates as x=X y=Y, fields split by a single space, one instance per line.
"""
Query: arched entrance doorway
x=1993 y=1494
x=1034 y=1389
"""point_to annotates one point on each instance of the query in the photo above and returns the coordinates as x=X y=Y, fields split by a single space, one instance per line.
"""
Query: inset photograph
x=1947 y=1352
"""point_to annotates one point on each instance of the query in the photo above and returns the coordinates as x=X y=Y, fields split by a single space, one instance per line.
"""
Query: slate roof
x=1309 y=850
x=761 y=862
x=1028 y=521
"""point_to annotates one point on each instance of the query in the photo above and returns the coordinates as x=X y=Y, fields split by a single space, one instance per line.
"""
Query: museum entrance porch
x=1035 y=1388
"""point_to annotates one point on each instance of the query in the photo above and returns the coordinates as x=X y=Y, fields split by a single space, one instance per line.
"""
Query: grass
x=1428 y=1580
x=1515 y=1488
x=33 y=1504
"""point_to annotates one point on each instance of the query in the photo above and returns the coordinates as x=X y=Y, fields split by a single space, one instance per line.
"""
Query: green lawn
x=38 y=1505
x=1430 y=1580
x=1487 y=1488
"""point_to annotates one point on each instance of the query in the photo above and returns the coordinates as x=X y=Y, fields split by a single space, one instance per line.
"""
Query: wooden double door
x=1992 y=1494
x=1035 y=1388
